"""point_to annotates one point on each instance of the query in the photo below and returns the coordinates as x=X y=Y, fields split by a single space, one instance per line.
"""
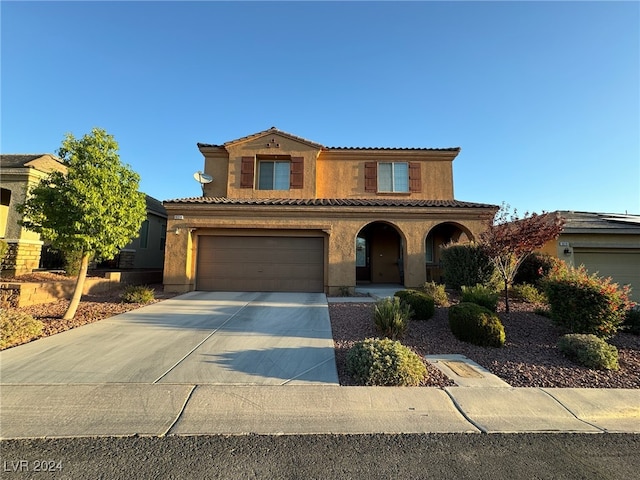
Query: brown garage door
x=260 y=264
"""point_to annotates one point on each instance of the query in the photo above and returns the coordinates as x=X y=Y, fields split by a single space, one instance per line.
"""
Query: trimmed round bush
x=481 y=295
x=385 y=362
x=17 y=328
x=466 y=264
x=472 y=323
x=423 y=305
x=589 y=351
x=137 y=294
x=534 y=267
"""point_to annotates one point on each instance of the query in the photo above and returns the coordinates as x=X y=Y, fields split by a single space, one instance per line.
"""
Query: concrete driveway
x=216 y=338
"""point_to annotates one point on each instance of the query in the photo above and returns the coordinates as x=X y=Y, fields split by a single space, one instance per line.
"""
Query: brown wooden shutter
x=246 y=172
x=415 y=180
x=297 y=172
x=370 y=177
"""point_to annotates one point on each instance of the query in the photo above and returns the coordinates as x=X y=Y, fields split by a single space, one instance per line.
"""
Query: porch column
x=414 y=263
x=341 y=271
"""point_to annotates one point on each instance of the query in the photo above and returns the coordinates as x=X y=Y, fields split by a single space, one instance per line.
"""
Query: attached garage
x=620 y=264
x=260 y=264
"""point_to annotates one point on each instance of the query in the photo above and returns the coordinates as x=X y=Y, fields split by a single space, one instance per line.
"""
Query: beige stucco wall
x=340 y=173
x=340 y=226
x=328 y=173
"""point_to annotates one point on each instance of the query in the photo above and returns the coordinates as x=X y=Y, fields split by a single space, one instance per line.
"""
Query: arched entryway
x=440 y=235
x=379 y=254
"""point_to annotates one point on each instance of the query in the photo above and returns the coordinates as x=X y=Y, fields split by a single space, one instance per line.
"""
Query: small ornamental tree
x=509 y=240
x=95 y=208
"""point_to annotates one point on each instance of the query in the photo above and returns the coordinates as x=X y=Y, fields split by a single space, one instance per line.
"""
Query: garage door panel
x=260 y=263
x=623 y=267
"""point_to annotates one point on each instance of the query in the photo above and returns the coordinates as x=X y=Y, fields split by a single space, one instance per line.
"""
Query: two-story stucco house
x=287 y=214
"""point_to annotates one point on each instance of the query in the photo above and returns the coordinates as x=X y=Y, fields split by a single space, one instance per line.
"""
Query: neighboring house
x=20 y=172
x=608 y=244
x=146 y=251
x=287 y=214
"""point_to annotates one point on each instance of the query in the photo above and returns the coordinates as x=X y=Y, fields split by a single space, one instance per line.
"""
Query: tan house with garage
x=287 y=214
x=605 y=243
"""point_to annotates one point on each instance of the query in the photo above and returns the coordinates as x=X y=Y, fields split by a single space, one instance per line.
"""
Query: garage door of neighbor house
x=260 y=264
x=622 y=266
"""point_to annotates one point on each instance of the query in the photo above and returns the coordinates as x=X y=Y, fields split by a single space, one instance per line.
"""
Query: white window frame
x=395 y=178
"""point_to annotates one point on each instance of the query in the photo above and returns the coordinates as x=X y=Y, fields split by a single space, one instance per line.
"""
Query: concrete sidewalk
x=35 y=411
x=216 y=363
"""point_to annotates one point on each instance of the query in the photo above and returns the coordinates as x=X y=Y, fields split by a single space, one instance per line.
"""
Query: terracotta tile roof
x=328 y=202
x=304 y=140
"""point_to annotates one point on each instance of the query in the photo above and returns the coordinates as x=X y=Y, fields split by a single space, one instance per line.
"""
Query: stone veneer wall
x=22 y=257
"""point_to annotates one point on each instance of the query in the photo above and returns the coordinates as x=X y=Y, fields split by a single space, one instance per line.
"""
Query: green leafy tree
x=509 y=240
x=95 y=208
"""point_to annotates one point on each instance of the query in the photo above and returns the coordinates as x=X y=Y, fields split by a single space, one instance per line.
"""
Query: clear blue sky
x=542 y=97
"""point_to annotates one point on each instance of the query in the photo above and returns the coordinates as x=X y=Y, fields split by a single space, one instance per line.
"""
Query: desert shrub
x=534 y=267
x=421 y=304
x=437 y=292
x=466 y=264
x=384 y=362
x=72 y=262
x=583 y=303
x=527 y=293
x=486 y=297
x=589 y=351
x=137 y=294
x=472 y=323
x=632 y=320
x=17 y=328
x=391 y=317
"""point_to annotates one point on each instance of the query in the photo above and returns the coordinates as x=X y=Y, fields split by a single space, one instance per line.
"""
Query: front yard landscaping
x=529 y=357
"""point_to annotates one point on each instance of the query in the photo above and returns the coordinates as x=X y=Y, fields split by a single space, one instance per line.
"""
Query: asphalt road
x=429 y=456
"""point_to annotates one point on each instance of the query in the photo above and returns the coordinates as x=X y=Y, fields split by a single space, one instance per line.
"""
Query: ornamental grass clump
x=137 y=294
x=422 y=305
x=589 y=351
x=17 y=328
x=472 y=323
x=584 y=303
x=385 y=362
x=391 y=317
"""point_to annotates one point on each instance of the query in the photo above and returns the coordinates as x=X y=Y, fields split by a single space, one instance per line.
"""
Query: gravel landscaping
x=528 y=359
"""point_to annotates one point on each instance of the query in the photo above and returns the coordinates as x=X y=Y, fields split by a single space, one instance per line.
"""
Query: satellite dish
x=202 y=179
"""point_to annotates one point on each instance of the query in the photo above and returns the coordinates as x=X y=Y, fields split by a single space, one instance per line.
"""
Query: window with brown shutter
x=246 y=172
x=415 y=180
x=297 y=172
x=370 y=177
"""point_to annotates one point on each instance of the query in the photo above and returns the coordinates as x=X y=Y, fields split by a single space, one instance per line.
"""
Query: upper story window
x=274 y=175
x=393 y=177
x=272 y=172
